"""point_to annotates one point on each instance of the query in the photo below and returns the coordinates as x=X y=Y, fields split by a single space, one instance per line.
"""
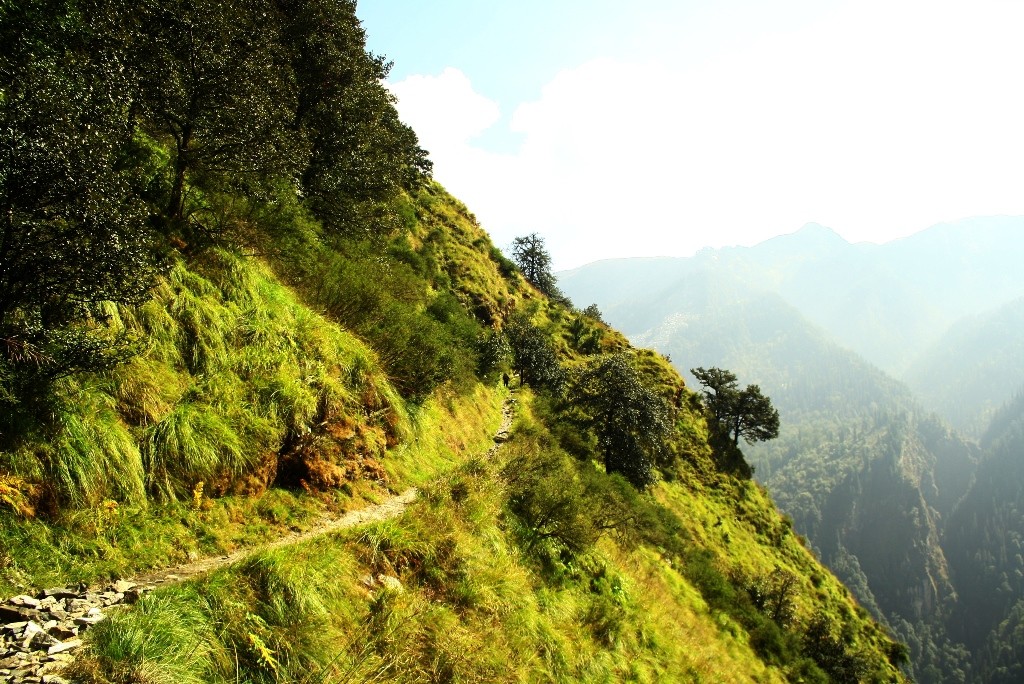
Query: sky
x=657 y=127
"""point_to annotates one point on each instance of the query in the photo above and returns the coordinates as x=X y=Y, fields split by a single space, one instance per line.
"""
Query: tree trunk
x=176 y=204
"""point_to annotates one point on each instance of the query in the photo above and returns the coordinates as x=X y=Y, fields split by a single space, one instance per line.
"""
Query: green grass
x=531 y=565
x=480 y=603
x=233 y=366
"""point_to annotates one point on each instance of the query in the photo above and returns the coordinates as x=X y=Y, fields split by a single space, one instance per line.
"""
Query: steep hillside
x=887 y=302
x=983 y=539
x=257 y=312
x=535 y=566
x=974 y=368
x=865 y=475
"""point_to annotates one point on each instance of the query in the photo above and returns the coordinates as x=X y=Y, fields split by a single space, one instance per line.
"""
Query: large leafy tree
x=632 y=422
x=736 y=412
x=72 y=232
x=534 y=261
x=362 y=154
x=533 y=355
x=216 y=82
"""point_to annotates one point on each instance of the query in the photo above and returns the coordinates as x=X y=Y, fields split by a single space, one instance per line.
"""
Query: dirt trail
x=39 y=635
x=392 y=507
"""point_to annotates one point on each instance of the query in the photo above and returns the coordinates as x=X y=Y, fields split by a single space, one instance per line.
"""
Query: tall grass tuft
x=203 y=323
x=165 y=639
x=91 y=455
x=193 y=443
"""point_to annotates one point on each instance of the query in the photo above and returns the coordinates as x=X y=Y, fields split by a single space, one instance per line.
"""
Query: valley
x=896 y=374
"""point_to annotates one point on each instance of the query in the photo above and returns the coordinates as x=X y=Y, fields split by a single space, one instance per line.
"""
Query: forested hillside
x=234 y=304
x=878 y=485
x=983 y=538
x=969 y=373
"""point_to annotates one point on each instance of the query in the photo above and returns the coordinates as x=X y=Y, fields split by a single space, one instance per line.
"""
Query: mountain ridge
x=860 y=465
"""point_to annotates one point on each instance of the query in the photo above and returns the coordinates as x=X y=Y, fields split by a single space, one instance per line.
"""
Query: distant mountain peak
x=810 y=241
x=819 y=232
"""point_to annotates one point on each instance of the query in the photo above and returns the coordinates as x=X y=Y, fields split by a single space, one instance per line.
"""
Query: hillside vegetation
x=257 y=309
x=899 y=505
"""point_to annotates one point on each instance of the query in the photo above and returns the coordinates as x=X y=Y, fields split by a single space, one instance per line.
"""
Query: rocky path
x=39 y=634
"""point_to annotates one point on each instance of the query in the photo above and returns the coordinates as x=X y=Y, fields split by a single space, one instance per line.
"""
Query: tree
x=534 y=261
x=631 y=421
x=593 y=312
x=533 y=354
x=215 y=80
x=737 y=413
x=361 y=153
x=72 y=232
x=831 y=653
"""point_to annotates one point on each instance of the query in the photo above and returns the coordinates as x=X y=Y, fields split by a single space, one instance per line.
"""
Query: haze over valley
x=897 y=370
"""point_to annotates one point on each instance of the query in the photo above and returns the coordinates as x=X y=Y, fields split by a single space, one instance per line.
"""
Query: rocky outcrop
x=40 y=634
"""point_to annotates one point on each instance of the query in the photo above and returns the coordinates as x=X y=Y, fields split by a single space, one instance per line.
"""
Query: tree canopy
x=631 y=421
x=733 y=412
x=215 y=79
x=73 y=232
x=533 y=355
x=117 y=120
x=534 y=260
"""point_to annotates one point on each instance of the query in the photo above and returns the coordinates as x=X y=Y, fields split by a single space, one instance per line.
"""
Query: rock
x=24 y=600
x=123 y=587
x=391 y=583
x=89 y=621
x=14 y=627
x=62 y=646
x=77 y=606
x=55 y=679
x=57 y=611
x=62 y=632
x=9 y=613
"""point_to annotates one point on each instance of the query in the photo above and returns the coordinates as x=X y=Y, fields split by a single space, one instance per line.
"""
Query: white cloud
x=879 y=120
x=444 y=109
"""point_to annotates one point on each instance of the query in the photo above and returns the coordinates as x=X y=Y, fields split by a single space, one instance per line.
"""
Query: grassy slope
x=235 y=363
x=473 y=605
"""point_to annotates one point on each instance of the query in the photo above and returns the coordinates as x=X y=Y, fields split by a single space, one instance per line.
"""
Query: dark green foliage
x=72 y=233
x=733 y=413
x=565 y=501
x=631 y=421
x=773 y=595
x=585 y=335
x=547 y=493
x=494 y=352
x=505 y=266
x=534 y=262
x=737 y=413
x=361 y=153
x=898 y=654
x=215 y=81
x=422 y=342
x=983 y=547
x=832 y=653
x=533 y=354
